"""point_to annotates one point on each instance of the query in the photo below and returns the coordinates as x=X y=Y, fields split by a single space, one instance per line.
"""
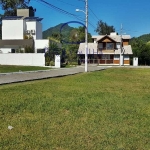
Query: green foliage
x=104 y=110
x=68 y=52
x=19 y=50
x=54 y=49
x=29 y=49
x=71 y=53
x=142 y=51
x=77 y=35
x=52 y=63
x=9 y=68
x=55 y=31
x=10 y=6
x=144 y=38
x=103 y=28
x=68 y=33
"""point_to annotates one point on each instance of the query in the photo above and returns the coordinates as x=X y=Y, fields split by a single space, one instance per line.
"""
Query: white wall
x=41 y=44
x=57 y=61
x=5 y=50
x=37 y=26
x=31 y=25
x=12 y=29
x=22 y=59
x=135 y=61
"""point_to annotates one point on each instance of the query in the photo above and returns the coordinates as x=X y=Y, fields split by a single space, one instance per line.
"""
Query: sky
x=134 y=15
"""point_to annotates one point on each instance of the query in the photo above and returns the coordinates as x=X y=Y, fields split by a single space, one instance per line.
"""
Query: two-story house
x=21 y=31
x=110 y=49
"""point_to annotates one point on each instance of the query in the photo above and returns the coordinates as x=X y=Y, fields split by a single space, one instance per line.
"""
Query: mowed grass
x=9 y=68
x=105 y=110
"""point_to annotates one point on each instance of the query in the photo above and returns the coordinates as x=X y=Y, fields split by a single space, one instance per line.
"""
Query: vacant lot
x=106 y=110
x=8 y=68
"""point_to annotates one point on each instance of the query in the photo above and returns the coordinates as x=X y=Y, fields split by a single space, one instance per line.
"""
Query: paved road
x=8 y=78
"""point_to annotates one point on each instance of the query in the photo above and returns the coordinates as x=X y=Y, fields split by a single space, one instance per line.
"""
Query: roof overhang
x=16 y=43
x=104 y=37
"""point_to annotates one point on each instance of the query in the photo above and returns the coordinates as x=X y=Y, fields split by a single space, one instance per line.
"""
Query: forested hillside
x=145 y=38
x=141 y=48
x=56 y=30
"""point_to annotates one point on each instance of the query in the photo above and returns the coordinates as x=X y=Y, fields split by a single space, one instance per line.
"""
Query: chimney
x=29 y=12
x=113 y=33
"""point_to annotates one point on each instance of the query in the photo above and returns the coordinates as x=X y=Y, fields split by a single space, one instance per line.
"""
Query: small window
x=12 y=50
x=126 y=57
x=40 y=50
x=117 y=45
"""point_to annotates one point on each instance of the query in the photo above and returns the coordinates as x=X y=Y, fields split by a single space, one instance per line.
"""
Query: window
x=100 y=45
x=13 y=51
x=105 y=56
x=126 y=57
x=40 y=50
x=118 y=45
x=109 y=46
x=116 y=57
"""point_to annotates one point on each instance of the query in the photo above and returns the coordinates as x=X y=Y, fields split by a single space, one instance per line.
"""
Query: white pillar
x=57 y=61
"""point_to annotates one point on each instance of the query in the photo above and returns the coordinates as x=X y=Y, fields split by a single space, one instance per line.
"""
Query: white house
x=21 y=31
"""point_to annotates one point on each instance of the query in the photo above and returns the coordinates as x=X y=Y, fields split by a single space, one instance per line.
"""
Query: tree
x=10 y=6
x=103 y=28
x=142 y=51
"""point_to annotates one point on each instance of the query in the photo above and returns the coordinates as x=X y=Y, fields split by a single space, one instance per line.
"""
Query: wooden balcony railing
x=97 y=61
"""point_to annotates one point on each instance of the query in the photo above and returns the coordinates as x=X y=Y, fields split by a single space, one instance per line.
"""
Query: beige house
x=107 y=49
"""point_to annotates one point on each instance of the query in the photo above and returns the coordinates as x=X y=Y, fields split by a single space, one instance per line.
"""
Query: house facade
x=107 y=49
x=21 y=31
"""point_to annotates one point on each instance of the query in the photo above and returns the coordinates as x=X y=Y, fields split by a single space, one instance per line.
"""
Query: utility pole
x=86 y=36
x=121 y=46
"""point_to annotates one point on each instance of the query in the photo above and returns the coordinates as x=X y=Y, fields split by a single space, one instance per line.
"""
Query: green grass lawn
x=9 y=68
x=105 y=110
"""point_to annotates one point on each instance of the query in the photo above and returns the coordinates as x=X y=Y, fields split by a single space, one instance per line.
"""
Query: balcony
x=105 y=51
x=97 y=61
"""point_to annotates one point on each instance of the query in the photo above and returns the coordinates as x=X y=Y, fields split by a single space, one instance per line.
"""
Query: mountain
x=145 y=38
x=56 y=29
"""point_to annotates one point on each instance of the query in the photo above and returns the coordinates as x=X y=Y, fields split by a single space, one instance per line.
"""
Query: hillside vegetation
x=56 y=30
x=145 y=38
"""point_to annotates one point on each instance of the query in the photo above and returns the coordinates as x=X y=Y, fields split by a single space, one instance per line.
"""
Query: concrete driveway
x=7 y=78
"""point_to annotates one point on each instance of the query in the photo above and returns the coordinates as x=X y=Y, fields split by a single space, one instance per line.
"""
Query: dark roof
x=33 y=18
x=12 y=17
x=19 y=18
x=16 y=43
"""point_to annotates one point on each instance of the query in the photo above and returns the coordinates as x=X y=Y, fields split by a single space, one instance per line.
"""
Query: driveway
x=7 y=78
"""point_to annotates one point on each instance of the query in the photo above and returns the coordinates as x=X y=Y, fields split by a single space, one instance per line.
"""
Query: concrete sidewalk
x=7 y=78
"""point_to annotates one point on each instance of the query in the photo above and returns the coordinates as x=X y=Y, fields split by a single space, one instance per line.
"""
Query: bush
x=29 y=49
x=52 y=63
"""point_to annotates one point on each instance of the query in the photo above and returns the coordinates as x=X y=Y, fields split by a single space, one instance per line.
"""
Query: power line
x=94 y=14
x=64 y=12
x=70 y=4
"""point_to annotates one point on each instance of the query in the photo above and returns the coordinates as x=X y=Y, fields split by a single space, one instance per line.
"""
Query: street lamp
x=86 y=34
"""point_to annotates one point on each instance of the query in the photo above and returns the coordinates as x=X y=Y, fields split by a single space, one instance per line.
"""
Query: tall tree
x=10 y=6
x=78 y=35
x=103 y=28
